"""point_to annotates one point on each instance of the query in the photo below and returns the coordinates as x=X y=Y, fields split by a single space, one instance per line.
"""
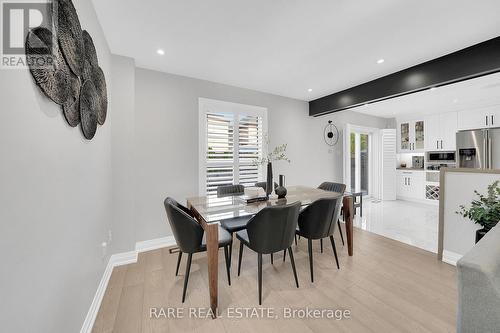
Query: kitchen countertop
x=411 y=169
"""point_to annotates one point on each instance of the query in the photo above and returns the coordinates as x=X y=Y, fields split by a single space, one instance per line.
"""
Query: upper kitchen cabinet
x=411 y=136
x=440 y=131
x=480 y=118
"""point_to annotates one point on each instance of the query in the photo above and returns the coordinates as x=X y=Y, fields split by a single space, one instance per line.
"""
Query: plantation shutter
x=233 y=142
x=249 y=149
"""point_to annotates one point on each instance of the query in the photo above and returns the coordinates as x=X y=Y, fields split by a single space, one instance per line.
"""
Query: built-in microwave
x=440 y=156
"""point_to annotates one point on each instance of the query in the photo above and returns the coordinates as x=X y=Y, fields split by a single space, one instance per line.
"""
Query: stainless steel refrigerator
x=479 y=149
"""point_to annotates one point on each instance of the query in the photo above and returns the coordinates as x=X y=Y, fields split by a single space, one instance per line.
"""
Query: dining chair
x=236 y=223
x=271 y=230
x=230 y=190
x=190 y=239
x=333 y=187
x=358 y=204
x=316 y=221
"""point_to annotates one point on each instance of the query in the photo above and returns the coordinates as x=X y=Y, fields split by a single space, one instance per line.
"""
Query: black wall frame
x=471 y=62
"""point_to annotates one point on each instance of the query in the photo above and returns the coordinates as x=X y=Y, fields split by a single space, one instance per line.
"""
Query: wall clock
x=331 y=134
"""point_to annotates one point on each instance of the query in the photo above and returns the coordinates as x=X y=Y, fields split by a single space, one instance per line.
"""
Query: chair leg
x=272 y=261
x=293 y=266
x=259 y=260
x=239 y=258
x=284 y=255
x=334 y=251
x=340 y=230
x=321 y=244
x=227 y=249
x=186 y=277
x=178 y=263
x=295 y=240
x=310 y=248
x=231 y=251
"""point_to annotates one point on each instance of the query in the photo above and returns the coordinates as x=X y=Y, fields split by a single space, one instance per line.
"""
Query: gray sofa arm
x=478 y=275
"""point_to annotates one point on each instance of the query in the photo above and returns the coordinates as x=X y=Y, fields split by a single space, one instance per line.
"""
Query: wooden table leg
x=348 y=205
x=212 y=236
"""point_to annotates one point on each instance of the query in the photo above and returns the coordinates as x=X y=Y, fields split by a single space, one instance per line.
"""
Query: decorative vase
x=269 y=181
x=480 y=234
x=281 y=190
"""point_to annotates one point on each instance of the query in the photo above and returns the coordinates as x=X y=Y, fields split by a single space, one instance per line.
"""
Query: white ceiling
x=466 y=95
x=285 y=47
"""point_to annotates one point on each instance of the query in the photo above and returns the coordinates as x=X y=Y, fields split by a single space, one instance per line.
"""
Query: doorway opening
x=360 y=159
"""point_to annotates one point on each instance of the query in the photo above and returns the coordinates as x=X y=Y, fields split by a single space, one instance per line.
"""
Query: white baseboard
x=117 y=259
x=154 y=244
x=451 y=257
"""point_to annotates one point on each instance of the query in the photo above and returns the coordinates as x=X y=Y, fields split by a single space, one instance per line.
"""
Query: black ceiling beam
x=474 y=61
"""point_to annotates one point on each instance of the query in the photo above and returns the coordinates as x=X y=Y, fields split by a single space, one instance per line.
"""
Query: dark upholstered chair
x=317 y=221
x=271 y=230
x=333 y=187
x=237 y=223
x=230 y=190
x=264 y=185
x=189 y=236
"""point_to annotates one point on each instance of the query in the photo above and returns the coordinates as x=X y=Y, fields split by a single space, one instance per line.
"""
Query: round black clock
x=331 y=134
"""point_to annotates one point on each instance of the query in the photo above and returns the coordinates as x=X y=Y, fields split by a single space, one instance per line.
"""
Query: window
x=231 y=138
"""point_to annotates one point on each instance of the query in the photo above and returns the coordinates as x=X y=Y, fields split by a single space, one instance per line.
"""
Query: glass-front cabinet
x=419 y=135
x=405 y=136
x=411 y=136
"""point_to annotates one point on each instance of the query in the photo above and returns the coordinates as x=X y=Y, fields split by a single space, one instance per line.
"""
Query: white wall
x=55 y=203
x=313 y=161
x=123 y=158
x=166 y=141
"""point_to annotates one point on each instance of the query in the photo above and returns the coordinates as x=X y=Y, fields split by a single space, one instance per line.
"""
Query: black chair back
x=273 y=228
x=332 y=187
x=187 y=232
x=230 y=190
x=318 y=220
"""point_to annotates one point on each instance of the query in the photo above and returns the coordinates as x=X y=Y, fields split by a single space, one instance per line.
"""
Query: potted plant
x=277 y=154
x=485 y=210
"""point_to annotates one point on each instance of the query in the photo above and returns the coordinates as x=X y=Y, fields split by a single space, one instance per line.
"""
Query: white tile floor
x=408 y=222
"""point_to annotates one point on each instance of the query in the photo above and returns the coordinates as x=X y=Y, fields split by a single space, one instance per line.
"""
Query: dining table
x=210 y=210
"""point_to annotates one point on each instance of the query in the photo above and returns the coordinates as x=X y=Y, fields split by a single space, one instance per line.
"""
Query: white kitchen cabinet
x=480 y=118
x=411 y=135
x=440 y=131
x=432 y=132
x=411 y=185
x=495 y=117
x=448 y=124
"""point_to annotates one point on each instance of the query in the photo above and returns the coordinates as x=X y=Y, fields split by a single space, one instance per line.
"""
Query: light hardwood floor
x=387 y=286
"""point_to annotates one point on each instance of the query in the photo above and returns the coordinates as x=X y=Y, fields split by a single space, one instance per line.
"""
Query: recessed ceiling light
x=380 y=61
x=433 y=88
x=310 y=89
x=160 y=52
